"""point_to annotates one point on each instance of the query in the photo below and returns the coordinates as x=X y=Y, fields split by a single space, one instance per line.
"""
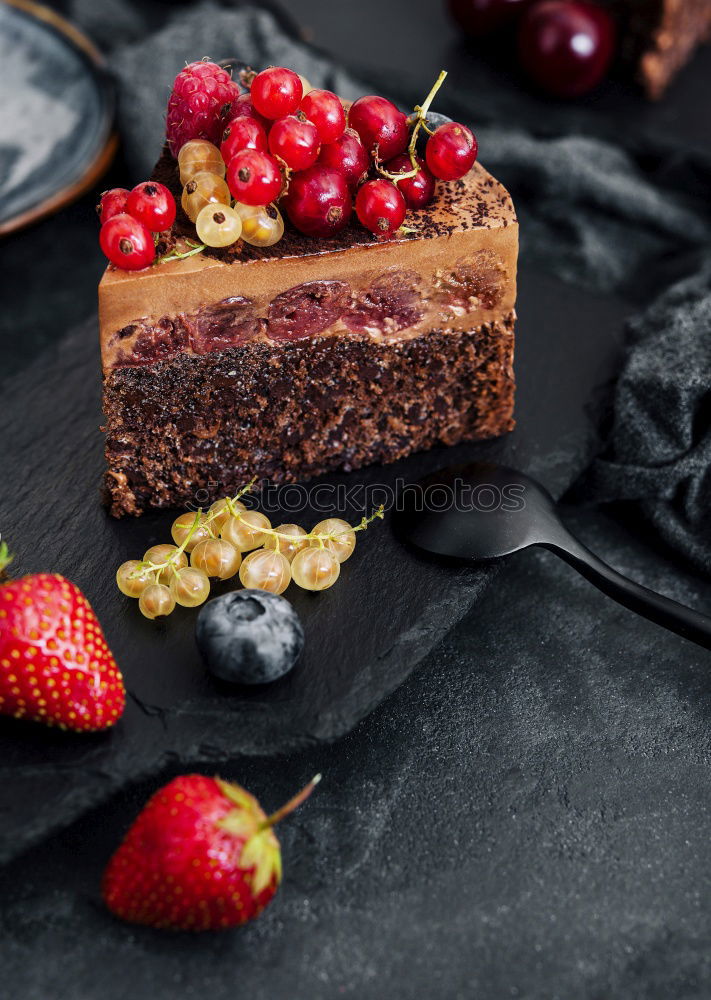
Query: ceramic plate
x=58 y=108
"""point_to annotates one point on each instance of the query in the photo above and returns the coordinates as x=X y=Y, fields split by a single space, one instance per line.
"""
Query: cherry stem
x=289 y=807
x=420 y=119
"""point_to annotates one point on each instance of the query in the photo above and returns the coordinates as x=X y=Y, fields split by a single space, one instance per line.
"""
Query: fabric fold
x=658 y=450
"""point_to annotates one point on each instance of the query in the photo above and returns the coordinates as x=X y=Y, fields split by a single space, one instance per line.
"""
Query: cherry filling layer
x=307 y=310
x=392 y=303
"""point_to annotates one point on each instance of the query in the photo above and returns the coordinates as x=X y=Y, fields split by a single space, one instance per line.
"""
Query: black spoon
x=486 y=511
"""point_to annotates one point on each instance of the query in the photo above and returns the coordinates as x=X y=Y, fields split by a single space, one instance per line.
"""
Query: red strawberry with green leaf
x=55 y=666
x=202 y=855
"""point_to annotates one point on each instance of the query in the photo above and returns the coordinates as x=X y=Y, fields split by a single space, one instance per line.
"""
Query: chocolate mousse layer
x=309 y=356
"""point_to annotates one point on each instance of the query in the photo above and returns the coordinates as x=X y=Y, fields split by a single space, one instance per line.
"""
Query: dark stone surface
x=363 y=637
x=527 y=815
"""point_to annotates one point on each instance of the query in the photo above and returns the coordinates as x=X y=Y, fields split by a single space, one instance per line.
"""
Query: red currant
x=111 y=203
x=276 y=92
x=153 y=205
x=296 y=142
x=318 y=201
x=242 y=133
x=347 y=154
x=254 y=178
x=566 y=46
x=325 y=110
x=451 y=151
x=379 y=123
x=477 y=18
x=243 y=108
x=417 y=191
x=380 y=207
x=127 y=242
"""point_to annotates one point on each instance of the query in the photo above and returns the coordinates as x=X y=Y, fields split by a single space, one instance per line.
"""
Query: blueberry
x=249 y=636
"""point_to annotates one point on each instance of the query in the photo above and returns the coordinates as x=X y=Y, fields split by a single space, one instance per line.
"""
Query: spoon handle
x=659 y=609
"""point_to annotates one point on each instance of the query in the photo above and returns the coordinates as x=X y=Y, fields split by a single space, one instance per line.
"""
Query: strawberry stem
x=292 y=804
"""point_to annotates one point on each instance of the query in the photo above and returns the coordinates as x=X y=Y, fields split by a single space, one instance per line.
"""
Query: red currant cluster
x=128 y=221
x=565 y=46
x=294 y=144
x=283 y=142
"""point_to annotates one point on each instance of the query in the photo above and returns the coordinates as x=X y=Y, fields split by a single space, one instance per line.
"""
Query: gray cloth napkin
x=632 y=220
x=659 y=446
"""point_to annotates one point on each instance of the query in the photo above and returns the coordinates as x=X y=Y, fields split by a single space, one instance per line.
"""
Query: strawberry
x=55 y=666
x=202 y=855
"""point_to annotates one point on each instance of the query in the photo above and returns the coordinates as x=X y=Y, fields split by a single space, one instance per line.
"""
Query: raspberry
x=199 y=106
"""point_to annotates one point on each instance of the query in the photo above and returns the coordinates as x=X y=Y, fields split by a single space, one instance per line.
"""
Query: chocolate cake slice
x=311 y=355
x=657 y=37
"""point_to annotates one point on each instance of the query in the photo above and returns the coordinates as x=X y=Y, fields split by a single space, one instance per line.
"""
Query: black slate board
x=363 y=637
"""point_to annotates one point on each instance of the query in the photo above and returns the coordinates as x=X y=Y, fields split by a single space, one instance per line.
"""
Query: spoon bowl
x=476 y=512
x=482 y=512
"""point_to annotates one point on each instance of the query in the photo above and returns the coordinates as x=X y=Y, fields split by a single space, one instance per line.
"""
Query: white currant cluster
x=228 y=539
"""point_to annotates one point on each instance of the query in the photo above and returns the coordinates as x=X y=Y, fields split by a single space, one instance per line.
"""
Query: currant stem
x=318 y=537
x=289 y=807
x=170 y=561
x=311 y=536
x=419 y=118
x=193 y=528
x=422 y=111
x=200 y=521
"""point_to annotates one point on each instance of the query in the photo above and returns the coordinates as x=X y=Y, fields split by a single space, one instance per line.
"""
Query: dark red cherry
x=418 y=191
x=566 y=45
x=318 y=201
x=477 y=18
x=379 y=124
x=347 y=154
x=380 y=207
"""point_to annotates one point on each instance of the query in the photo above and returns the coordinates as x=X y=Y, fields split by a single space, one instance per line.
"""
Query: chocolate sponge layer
x=294 y=410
